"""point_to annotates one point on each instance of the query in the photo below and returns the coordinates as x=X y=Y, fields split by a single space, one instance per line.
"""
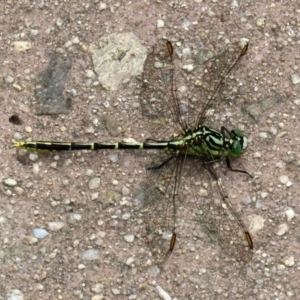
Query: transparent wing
x=213 y=79
x=159 y=210
x=158 y=94
x=175 y=98
x=215 y=212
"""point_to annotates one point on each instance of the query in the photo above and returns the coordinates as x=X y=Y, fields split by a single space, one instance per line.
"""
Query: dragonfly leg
x=162 y=164
x=235 y=170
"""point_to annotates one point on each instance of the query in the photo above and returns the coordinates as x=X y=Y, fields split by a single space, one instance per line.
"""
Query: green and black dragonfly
x=190 y=150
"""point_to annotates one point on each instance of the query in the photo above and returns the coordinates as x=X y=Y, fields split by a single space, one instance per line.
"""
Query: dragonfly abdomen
x=70 y=146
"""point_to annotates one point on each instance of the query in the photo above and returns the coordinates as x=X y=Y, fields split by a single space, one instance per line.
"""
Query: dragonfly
x=188 y=149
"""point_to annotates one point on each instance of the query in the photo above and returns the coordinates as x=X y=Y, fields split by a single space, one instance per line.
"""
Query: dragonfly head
x=238 y=143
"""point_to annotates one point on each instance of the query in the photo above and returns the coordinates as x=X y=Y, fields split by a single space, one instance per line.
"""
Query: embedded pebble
x=81 y=266
x=126 y=216
x=91 y=254
x=260 y=22
x=290 y=214
x=97 y=288
x=115 y=291
x=40 y=233
x=186 y=53
x=74 y=218
x=162 y=293
x=14 y=294
x=281 y=229
x=102 y=6
x=297 y=101
x=257 y=155
x=129 y=238
x=31 y=240
x=160 y=23
x=129 y=261
x=263 y=135
x=189 y=67
x=246 y=200
x=280 y=165
x=59 y=22
x=21 y=46
x=55 y=226
x=289 y=261
x=257 y=223
x=295 y=79
x=2 y=220
x=89 y=73
x=18 y=136
x=9 y=79
x=100 y=222
x=94 y=183
x=113 y=157
x=35 y=169
x=33 y=156
x=283 y=179
x=97 y=297
x=264 y=195
x=10 y=182
x=125 y=191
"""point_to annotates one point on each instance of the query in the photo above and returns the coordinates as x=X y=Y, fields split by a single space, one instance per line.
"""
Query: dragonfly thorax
x=208 y=142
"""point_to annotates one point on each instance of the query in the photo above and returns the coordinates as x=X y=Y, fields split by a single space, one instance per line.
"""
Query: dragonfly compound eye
x=236 y=148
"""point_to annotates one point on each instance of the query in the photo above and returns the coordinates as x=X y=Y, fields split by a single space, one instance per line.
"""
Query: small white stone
x=91 y=254
x=125 y=191
x=263 y=135
x=288 y=184
x=35 y=169
x=281 y=229
x=89 y=73
x=129 y=238
x=126 y=216
x=21 y=46
x=295 y=79
x=9 y=79
x=129 y=261
x=260 y=22
x=289 y=261
x=257 y=155
x=290 y=214
x=115 y=291
x=189 y=67
x=40 y=233
x=59 y=22
x=160 y=23
x=102 y=6
x=55 y=226
x=162 y=293
x=257 y=223
x=10 y=182
x=115 y=182
x=75 y=40
x=283 y=179
x=297 y=101
x=280 y=165
x=264 y=195
x=31 y=240
x=81 y=266
x=186 y=53
x=94 y=183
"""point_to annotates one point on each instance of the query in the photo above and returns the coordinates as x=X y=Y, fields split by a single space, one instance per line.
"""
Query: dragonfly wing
x=159 y=209
x=216 y=214
x=158 y=96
